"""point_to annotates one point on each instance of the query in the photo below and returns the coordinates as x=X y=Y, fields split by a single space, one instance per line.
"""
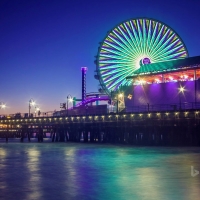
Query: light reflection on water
x=86 y=171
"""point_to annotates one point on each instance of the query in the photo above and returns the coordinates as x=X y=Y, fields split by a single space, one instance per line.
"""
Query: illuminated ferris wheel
x=134 y=43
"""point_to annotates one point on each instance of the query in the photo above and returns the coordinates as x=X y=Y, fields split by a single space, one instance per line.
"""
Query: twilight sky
x=44 y=43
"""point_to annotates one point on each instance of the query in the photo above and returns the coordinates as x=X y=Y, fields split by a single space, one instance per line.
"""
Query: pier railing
x=164 y=107
x=89 y=110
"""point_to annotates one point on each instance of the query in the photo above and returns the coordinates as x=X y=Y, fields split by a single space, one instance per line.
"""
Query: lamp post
x=181 y=91
x=69 y=99
x=36 y=110
x=119 y=98
x=2 y=105
x=112 y=98
x=31 y=103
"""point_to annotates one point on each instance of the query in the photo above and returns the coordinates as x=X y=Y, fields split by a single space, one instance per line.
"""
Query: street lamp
x=36 y=110
x=69 y=99
x=31 y=103
x=120 y=95
x=119 y=98
x=2 y=105
x=181 y=91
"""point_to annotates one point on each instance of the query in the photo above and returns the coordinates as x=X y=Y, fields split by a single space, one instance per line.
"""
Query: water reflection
x=86 y=171
x=34 y=176
x=2 y=153
x=70 y=170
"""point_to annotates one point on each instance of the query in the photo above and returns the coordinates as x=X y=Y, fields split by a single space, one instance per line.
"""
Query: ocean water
x=97 y=171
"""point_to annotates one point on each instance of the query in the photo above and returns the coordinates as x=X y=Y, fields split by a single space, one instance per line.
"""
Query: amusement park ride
x=139 y=51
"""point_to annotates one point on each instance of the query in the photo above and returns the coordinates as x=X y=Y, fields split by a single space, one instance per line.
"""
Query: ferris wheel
x=134 y=43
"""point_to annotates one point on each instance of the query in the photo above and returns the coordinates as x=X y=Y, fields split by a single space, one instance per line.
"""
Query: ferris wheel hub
x=146 y=61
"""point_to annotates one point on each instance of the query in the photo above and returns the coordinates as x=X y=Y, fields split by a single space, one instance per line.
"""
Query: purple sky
x=43 y=44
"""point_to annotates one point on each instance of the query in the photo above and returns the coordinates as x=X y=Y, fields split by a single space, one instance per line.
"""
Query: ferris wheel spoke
x=118 y=58
x=153 y=36
x=112 y=68
x=115 y=74
x=120 y=73
x=113 y=62
x=105 y=67
x=127 y=60
x=115 y=52
x=157 y=39
x=110 y=51
x=120 y=46
x=122 y=40
x=112 y=73
x=170 y=57
x=126 y=45
x=165 y=47
x=160 y=43
x=136 y=37
x=174 y=50
x=140 y=36
x=148 y=37
x=133 y=40
x=121 y=79
x=115 y=82
x=145 y=37
x=167 y=50
x=133 y=47
x=122 y=83
x=127 y=39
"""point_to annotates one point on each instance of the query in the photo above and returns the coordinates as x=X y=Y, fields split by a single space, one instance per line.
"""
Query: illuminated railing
x=103 y=109
x=164 y=107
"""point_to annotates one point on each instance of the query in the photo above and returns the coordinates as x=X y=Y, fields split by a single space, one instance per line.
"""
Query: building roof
x=168 y=66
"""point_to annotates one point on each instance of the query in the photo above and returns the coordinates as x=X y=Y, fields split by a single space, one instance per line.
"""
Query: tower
x=84 y=70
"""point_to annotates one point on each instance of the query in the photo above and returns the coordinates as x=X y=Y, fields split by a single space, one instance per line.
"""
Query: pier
x=148 y=125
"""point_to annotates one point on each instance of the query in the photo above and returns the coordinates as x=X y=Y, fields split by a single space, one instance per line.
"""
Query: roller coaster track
x=92 y=97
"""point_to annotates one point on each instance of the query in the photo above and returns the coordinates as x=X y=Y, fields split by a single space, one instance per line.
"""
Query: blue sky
x=44 y=43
